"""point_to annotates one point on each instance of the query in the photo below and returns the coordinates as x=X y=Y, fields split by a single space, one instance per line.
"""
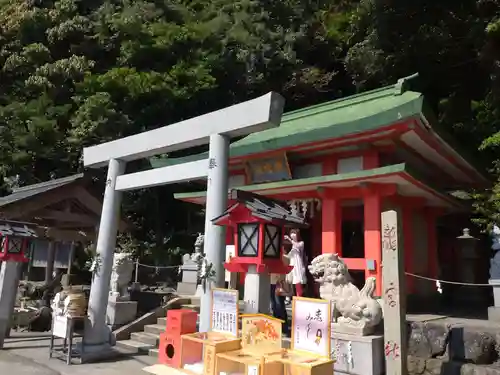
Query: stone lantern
x=15 y=240
x=259 y=225
x=467 y=248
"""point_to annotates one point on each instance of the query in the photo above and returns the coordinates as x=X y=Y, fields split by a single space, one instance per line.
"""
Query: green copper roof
x=382 y=175
x=354 y=114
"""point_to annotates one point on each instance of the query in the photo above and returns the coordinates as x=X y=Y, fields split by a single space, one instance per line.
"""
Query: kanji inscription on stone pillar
x=394 y=295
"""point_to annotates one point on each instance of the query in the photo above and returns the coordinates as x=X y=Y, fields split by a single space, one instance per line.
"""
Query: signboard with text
x=311 y=325
x=60 y=326
x=225 y=311
x=269 y=169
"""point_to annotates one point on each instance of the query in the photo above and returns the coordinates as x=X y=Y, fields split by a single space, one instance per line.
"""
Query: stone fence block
x=428 y=339
x=472 y=345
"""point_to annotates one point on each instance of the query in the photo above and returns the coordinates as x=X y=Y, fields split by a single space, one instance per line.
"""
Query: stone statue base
x=352 y=330
x=186 y=289
x=120 y=312
x=357 y=354
x=188 y=285
x=494 y=314
x=495 y=283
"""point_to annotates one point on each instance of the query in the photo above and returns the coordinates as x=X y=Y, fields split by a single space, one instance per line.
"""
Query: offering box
x=240 y=362
x=299 y=363
x=199 y=351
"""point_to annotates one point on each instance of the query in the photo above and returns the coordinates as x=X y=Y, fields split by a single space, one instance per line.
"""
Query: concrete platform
x=27 y=353
x=14 y=364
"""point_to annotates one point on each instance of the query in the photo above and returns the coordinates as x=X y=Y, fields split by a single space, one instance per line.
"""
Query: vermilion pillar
x=408 y=245
x=331 y=223
x=373 y=238
x=331 y=216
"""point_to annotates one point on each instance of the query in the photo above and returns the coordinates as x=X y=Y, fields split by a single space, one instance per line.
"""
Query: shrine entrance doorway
x=353 y=239
x=353 y=246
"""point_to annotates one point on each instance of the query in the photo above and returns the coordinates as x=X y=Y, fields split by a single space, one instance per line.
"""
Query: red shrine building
x=341 y=163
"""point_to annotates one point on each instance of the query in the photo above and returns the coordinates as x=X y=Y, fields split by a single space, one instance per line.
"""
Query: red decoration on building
x=15 y=238
x=258 y=224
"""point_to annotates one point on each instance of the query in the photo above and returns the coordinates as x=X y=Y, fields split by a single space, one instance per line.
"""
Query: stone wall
x=444 y=348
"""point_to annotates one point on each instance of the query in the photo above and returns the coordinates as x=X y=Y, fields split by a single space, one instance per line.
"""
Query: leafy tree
x=79 y=72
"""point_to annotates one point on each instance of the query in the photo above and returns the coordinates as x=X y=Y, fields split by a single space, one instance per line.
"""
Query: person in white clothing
x=297 y=276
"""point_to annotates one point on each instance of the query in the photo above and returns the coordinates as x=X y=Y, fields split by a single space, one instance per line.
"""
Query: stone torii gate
x=216 y=129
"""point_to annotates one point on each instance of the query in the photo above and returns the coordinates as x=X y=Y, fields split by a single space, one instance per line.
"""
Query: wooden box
x=298 y=363
x=199 y=350
x=243 y=363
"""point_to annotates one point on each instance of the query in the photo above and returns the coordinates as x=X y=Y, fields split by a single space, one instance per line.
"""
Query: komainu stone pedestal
x=494 y=314
x=120 y=313
x=358 y=355
x=494 y=311
x=189 y=278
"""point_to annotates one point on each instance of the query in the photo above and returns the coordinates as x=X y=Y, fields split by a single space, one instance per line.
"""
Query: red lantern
x=15 y=238
x=259 y=224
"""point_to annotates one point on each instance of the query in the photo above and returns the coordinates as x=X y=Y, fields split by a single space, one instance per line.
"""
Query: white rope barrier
x=156 y=268
x=444 y=281
x=437 y=281
x=159 y=267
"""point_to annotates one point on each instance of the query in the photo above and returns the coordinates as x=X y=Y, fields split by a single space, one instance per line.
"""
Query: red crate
x=169 y=352
x=181 y=321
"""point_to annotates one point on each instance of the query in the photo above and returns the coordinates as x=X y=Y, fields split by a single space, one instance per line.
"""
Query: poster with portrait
x=225 y=311
x=311 y=328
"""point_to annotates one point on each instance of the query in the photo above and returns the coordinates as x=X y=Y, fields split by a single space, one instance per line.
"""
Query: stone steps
x=162 y=321
x=146 y=338
x=134 y=347
x=147 y=342
x=155 y=328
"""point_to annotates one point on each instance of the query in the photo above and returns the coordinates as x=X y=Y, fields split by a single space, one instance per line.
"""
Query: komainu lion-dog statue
x=354 y=311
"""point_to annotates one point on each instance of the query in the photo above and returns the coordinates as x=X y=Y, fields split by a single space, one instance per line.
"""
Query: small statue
x=57 y=304
x=121 y=275
x=495 y=246
x=198 y=247
x=354 y=309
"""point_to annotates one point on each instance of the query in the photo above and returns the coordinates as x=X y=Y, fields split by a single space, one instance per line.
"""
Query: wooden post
x=71 y=257
x=394 y=295
x=49 y=268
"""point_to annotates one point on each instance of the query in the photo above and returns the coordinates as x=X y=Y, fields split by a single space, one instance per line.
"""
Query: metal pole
x=71 y=257
x=96 y=331
x=136 y=270
x=214 y=246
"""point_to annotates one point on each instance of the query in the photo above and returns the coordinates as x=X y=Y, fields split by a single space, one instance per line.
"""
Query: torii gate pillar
x=96 y=331
x=215 y=236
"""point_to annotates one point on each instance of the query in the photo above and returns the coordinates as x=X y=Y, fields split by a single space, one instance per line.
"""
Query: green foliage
x=75 y=73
